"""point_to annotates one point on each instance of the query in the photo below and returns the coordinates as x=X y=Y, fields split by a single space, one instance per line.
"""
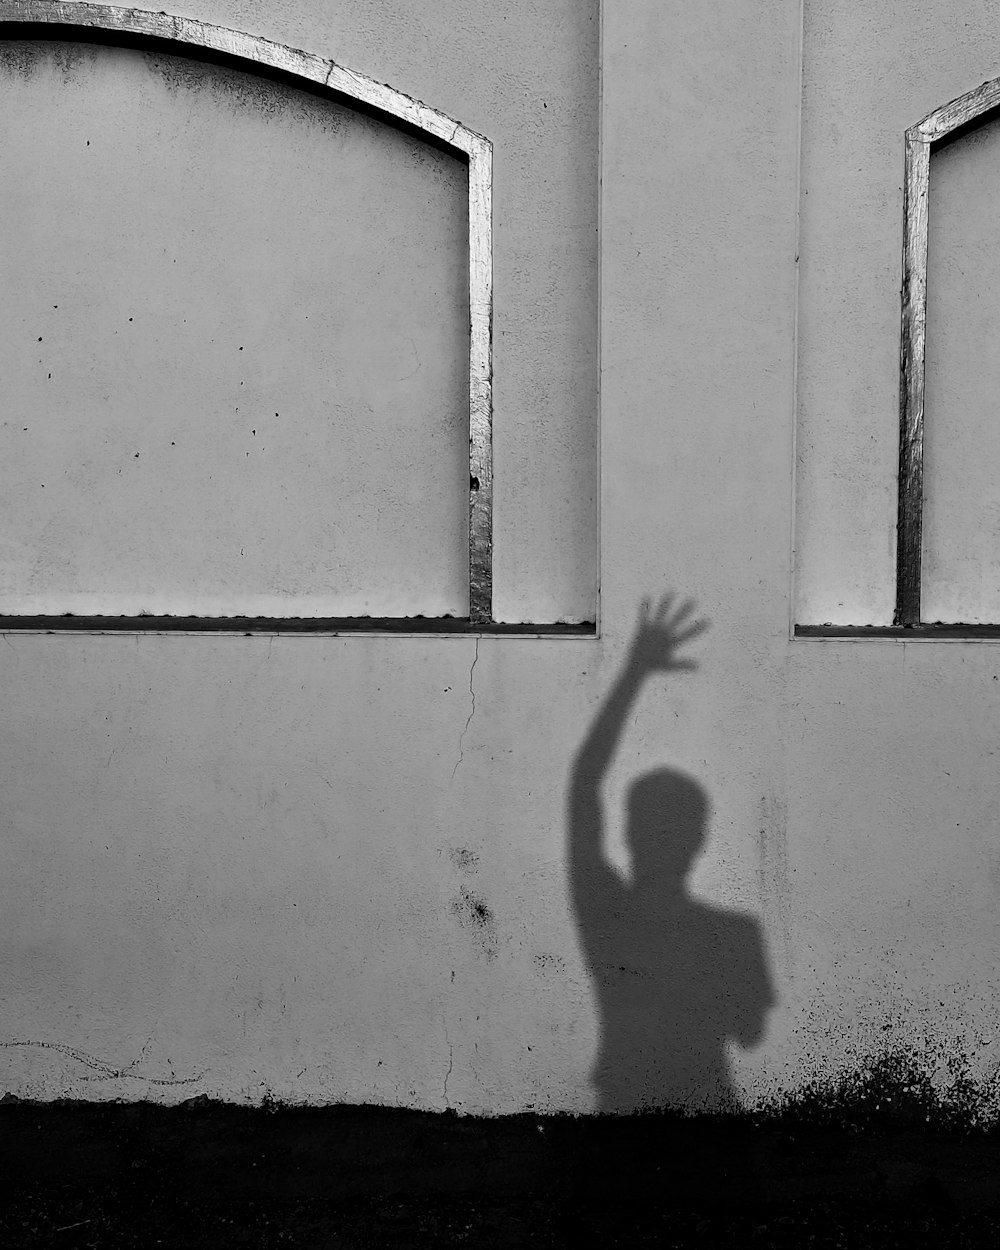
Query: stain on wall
x=474 y=914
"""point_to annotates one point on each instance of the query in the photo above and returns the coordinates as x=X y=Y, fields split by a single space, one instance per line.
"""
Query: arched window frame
x=24 y=19
x=942 y=123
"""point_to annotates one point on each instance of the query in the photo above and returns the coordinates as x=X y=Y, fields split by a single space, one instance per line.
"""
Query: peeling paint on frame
x=24 y=17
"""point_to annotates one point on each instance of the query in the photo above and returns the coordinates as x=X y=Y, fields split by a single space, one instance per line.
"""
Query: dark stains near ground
x=870 y=1160
x=894 y=1089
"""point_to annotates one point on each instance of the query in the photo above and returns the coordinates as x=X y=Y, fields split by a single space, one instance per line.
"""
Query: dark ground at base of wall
x=209 y=1175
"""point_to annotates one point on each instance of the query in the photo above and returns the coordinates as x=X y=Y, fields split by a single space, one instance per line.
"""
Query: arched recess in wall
x=952 y=603
x=161 y=35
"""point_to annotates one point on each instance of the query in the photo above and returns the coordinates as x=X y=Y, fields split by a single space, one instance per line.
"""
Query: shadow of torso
x=675 y=979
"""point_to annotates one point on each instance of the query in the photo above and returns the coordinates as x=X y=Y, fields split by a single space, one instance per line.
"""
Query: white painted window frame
x=943 y=123
x=21 y=19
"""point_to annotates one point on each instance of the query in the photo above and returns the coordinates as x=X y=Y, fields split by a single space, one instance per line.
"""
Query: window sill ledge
x=903 y=633
x=416 y=626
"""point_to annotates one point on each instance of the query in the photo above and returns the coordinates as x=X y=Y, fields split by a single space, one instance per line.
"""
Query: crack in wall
x=472 y=712
x=105 y=1071
x=451 y=1065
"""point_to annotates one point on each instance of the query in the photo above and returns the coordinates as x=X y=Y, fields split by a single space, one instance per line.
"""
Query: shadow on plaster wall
x=675 y=977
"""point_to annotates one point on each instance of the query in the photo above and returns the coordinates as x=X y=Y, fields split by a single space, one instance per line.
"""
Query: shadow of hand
x=660 y=633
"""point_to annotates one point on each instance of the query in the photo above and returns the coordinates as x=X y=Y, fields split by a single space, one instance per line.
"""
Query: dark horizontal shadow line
x=910 y=633
x=284 y=625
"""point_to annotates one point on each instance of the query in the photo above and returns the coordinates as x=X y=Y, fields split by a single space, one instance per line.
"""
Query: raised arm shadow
x=674 y=976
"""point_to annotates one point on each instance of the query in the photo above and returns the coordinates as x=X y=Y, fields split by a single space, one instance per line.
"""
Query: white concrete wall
x=236 y=341
x=338 y=869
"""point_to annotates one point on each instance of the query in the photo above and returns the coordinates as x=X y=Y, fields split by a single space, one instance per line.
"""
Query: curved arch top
x=254 y=48
x=30 y=18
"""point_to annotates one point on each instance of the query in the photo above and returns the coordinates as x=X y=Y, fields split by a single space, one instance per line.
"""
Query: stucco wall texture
x=237 y=354
x=342 y=869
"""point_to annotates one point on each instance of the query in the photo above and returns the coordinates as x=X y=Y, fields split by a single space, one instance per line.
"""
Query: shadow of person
x=675 y=977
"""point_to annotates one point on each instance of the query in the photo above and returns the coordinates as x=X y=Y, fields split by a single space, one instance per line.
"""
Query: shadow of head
x=667 y=826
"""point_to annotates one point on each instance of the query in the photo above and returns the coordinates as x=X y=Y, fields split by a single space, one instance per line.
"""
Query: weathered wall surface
x=339 y=869
x=237 y=354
